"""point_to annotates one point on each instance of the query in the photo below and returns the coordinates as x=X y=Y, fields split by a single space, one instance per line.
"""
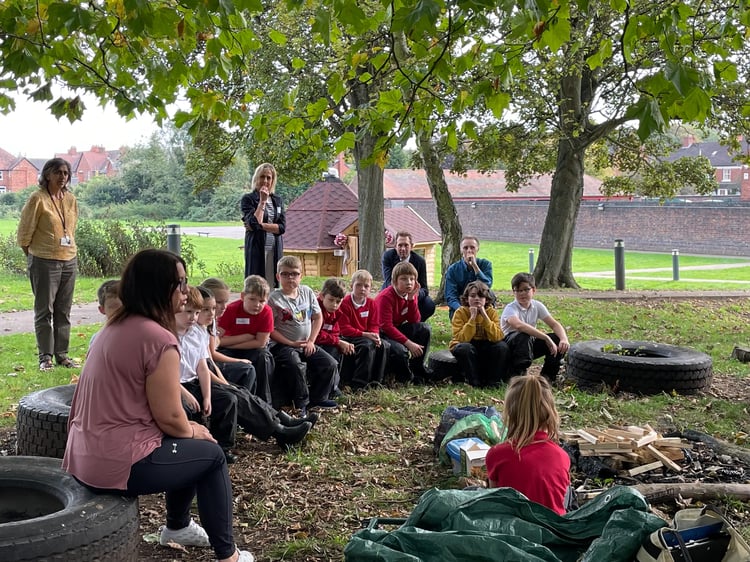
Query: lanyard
x=60 y=213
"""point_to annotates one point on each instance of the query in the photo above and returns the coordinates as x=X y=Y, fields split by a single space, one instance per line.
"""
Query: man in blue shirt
x=469 y=268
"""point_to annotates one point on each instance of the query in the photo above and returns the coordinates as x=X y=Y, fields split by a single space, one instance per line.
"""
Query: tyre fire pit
x=640 y=367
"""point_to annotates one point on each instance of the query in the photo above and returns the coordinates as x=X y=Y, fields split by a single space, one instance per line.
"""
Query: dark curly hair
x=482 y=290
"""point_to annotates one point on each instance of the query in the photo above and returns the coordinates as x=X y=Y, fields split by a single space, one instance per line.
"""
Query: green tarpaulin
x=501 y=524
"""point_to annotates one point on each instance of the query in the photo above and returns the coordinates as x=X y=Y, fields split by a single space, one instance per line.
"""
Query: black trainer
x=288 y=436
x=291 y=421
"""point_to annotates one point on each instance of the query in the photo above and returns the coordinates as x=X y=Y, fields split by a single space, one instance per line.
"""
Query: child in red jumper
x=329 y=299
x=401 y=325
x=244 y=330
x=358 y=319
x=530 y=460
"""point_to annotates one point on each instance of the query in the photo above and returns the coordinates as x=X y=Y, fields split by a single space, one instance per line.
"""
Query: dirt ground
x=262 y=474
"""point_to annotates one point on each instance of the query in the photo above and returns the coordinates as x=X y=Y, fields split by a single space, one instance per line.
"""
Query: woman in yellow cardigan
x=477 y=340
x=46 y=234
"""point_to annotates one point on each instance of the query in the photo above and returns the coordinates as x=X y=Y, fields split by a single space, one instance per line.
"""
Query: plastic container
x=454 y=450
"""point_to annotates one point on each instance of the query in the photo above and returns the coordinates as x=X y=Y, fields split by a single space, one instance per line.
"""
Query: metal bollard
x=619 y=265
x=174 y=237
x=675 y=265
x=531 y=260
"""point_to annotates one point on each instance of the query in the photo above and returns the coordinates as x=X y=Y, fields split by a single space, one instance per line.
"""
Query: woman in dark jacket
x=265 y=223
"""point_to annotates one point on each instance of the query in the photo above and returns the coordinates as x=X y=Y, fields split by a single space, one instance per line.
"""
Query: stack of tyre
x=45 y=514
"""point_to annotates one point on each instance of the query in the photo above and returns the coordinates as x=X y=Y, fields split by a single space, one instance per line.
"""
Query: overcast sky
x=32 y=131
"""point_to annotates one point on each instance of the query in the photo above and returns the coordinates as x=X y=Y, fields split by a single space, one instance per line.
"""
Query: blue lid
x=454 y=446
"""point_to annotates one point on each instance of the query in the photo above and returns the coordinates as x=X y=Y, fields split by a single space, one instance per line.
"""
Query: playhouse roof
x=329 y=207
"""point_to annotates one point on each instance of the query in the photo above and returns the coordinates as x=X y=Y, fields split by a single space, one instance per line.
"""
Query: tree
x=575 y=73
x=587 y=70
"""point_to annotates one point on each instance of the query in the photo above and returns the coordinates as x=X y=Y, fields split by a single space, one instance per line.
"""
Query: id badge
x=65 y=241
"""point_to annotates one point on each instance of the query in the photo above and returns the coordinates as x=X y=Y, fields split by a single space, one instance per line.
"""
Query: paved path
x=84 y=314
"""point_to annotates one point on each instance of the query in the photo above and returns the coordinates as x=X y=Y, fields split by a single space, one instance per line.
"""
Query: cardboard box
x=472 y=461
x=467 y=456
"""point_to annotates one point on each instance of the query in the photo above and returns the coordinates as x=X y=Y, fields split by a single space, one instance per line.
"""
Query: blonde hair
x=256 y=285
x=361 y=275
x=292 y=262
x=214 y=283
x=529 y=407
x=260 y=169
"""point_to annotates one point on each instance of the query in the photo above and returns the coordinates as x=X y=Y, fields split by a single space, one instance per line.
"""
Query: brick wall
x=692 y=228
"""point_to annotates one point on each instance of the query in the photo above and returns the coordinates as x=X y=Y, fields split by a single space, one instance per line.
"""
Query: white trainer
x=192 y=535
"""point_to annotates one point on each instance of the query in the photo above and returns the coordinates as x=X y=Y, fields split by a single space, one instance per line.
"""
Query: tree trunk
x=701 y=491
x=447 y=215
x=370 y=206
x=554 y=265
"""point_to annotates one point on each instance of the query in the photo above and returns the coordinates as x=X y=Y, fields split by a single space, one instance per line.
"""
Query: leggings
x=184 y=468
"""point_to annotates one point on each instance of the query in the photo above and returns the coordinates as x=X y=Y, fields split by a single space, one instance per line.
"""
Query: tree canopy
x=534 y=85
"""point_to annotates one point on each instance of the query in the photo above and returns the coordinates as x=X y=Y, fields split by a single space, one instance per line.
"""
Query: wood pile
x=635 y=450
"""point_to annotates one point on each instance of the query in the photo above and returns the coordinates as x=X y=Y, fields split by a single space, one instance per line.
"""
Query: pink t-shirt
x=111 y=426
x=235 y=321
x=541 y=472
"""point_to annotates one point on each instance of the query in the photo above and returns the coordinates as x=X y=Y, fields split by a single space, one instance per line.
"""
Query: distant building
x=402 y=187
x=732 y=175
x=16 y=172
x=89 y=164
x=19 y=172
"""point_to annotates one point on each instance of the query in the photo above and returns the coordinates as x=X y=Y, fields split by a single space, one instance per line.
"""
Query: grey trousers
x=52 y=282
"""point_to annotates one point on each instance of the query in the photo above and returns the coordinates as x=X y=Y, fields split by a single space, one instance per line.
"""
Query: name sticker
x=364 y=314
x=243 y=321
x=404 y=310
x=327 y=327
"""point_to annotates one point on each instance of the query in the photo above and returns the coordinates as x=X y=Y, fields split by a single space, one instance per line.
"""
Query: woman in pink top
x=128 y=432
x=530 y=460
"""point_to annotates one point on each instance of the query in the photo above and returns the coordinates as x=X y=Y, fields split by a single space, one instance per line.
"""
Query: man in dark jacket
x=402 y=252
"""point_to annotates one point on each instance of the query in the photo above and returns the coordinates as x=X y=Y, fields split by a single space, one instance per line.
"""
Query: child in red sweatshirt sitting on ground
x=401 y=325
x=329 y=337
x=360 y=325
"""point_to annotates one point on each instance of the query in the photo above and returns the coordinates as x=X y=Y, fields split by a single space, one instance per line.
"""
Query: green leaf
x=498 y=103
x=696 y=106
x=322 y=25
x=277 y=37
x=345 y=142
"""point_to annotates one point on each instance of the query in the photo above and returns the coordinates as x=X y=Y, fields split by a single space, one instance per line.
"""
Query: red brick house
x=322 y=229
x=16 y=172
x=19 y=172
x=732 y=175
x=91 y=163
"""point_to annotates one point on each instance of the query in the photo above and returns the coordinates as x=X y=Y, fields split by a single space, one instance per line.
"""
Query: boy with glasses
x=518 y=323
x=303 y=369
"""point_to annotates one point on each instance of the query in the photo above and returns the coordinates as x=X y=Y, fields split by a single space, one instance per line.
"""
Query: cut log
x=645 y=468
x=664 y=459
x=741 y=353
x=696 y=490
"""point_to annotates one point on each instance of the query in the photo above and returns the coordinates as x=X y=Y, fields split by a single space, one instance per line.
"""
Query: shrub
x=104 y=247
x=12 y=259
